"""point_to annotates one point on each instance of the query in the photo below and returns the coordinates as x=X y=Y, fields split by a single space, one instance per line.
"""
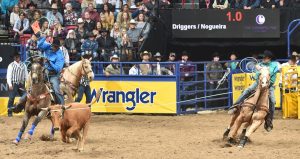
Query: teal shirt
x=273 y=66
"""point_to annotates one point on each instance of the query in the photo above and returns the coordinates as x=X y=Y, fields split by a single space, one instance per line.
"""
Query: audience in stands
x=30 y=12
x=268 y=4
x=21 y=26
x=142 y=24
x=64 y=51
x=106 y=45
x=23 y=3
x=89 y=24
x=14 y=15
x=251 y=4
x=135 y=35
x=125 y=9
x=94 y=15
x=45 y=27
x=146 y=69
x=220 y=4
x=72 y=44
x=114 y=69
x=172 y=58
x=89 y=47
x=54 y=15
x=31 y=47
x=85 y=3
x=80 y=31
x=70 y=16
x=109 y=15
x=134 y=70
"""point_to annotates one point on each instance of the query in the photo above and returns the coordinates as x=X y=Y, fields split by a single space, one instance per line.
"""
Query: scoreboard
x=211 y=23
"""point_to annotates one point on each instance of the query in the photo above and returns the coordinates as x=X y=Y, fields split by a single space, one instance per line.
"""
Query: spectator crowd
x=99 y=28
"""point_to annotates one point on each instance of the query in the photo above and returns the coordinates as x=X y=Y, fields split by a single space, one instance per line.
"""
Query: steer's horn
x=46 y=109
x=66 y=107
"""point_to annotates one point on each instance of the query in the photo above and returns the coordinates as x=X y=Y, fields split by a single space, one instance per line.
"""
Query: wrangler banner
x=135 y=97
x=242 y=81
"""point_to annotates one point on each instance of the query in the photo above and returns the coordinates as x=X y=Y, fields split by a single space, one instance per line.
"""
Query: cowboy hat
x=80 y=20
x=132 y=21
x=172 y=54
x=114 y=57
x=268 y=54
x=157 y=54
x=295 y=53
x=184 y=53
x=145 y=53
x=56 y=42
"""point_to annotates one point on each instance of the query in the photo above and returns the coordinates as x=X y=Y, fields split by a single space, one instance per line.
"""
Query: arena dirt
x=157 y=137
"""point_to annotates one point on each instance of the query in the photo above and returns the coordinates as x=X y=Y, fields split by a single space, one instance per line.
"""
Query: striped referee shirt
x=16 y=73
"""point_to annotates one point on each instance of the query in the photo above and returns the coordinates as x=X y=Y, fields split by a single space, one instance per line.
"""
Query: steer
x=71 y=119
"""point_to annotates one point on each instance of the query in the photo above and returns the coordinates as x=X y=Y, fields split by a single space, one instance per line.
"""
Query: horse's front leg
x=34 y=124
x=232 y=120
x=23 y=127
x=258 y=119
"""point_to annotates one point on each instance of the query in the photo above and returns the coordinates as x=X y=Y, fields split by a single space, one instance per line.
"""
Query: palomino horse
x=72 y=75
x=253 y=110
x=37 y=97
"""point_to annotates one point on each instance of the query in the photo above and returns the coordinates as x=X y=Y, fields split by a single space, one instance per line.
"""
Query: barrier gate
x=290 y=92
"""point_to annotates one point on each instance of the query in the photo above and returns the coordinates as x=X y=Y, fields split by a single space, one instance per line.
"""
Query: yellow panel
x=238 y=85
x=135 y=97
x=3 y=105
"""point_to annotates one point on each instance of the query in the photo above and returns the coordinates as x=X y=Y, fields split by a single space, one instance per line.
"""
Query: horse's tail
x=98 y=94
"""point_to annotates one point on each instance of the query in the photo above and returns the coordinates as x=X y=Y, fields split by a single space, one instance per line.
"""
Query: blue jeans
x=250 y=89
x=87 y=91
x=54 y=80
x=13 y=93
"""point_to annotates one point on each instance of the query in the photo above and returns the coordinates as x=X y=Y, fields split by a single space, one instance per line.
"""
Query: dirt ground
x=158 y=137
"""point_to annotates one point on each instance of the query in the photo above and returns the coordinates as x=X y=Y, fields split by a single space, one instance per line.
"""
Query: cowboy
x=84 y=87
x=16 y=76
x=114 y=69
x=146 y=69
x=54 y=63
x=172 y=57
x=273 y=67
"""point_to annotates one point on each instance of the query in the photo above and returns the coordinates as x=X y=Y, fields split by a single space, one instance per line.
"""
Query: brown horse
x=37 y=97
x=252 y=111
x=72 y=75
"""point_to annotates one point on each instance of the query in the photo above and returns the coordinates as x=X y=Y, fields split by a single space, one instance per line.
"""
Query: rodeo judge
x=273 y=66
x=16 y=76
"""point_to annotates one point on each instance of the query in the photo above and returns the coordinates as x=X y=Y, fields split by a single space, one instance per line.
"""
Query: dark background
x=160 y=39
x=234 y=29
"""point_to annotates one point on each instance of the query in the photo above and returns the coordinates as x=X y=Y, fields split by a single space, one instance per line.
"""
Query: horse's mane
x=75 y=66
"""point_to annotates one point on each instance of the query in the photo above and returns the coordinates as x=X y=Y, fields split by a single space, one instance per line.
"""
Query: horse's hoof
x=15 y=142
x=80 y=150
x=225 y=135
x=243 y=142
x=231 y=141
x=28 y=137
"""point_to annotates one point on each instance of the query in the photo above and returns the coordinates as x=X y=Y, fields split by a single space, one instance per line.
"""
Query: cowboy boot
x=17 y=108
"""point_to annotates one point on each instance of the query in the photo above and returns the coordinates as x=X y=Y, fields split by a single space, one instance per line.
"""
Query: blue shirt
x=56 y=59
